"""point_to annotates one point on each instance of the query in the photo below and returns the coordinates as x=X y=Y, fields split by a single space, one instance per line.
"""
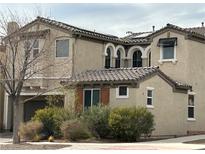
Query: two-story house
x=161 y=70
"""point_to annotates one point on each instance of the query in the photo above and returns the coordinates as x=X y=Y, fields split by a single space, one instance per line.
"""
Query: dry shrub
x=75 y=130
x=31 y=130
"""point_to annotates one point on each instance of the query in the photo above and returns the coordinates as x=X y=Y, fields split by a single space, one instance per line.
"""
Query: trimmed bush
x=128 y=124
x=97 y=120
x=52 y=118
x=31 y=130
x=75 y=130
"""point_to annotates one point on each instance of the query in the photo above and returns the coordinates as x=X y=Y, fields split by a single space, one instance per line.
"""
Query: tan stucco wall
x=1 y=95
x=196 y=77
x=170 y=110
x=178 y=70
x=1 y=105
x=88 y=55
x=189 y=69
x=56 y=67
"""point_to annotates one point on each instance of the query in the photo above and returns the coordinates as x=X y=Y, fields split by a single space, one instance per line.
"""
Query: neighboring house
x=122 y=72
x=2 y=51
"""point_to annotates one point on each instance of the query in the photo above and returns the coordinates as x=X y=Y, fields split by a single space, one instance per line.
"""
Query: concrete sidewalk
x=5 y=137
x=167 y=144
x=133 y=146
x=180 y=139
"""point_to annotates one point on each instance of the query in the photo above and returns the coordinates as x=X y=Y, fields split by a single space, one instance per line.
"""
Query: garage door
x=30 y=108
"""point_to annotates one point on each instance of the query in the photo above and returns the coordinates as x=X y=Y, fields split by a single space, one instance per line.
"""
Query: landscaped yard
x=93 y=125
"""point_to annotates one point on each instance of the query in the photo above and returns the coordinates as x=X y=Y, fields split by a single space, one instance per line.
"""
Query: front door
x=91 y=97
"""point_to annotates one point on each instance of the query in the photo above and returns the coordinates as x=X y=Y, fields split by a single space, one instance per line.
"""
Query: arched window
x=118 y=59
x=136 y=59
x=108 y=59
x=149 y=59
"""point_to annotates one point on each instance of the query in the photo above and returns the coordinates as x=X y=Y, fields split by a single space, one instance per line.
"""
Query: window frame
x=173 y=60
x=148 y=97
x=191 y=106
x=60 y=39
x=137 y=60
x=122 y=96
x=91 y=89
x=38 y=48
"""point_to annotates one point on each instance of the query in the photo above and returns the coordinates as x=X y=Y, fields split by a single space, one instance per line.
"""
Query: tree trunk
x=16 y=122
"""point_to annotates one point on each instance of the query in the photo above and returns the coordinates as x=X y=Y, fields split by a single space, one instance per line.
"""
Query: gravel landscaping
x=25 y=146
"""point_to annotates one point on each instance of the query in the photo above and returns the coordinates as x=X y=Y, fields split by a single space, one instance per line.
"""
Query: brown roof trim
x=174 y=83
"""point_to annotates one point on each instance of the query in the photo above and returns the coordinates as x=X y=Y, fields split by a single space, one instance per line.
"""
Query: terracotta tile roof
x=200 y=30
x=196 y=32
x=121 y=75
x=88 y=33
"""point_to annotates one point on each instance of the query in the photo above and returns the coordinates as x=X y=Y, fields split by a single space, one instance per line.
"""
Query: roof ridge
x=53 y=20
x=194 y=27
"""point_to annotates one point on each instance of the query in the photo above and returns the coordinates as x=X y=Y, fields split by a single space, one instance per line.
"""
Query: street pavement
x=167 y=144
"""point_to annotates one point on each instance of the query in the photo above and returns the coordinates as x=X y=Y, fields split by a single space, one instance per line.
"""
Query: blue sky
x=116 y=19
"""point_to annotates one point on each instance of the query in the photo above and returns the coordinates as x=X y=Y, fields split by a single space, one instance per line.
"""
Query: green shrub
x=97 y=120
x=52 y=118
x=128 y=124
x=75 y=130
x=31 y=130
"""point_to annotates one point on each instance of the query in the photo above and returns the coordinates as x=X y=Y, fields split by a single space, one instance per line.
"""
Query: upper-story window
x=108 y=58
x=149 y=59
x=168 y=49
x=35 y=48
x=62 y=48
x=32 y=48
x=137 y=59
x=118 y=59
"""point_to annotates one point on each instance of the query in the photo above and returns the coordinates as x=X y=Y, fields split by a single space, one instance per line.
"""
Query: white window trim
x=117 y=92
x=188 y=118
x=191 y=119
x=152 y=89
x=92 y=89
x=161 y=60
x=59 y=39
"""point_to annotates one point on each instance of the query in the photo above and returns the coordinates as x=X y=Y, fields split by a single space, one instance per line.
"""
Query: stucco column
x=113 y=62
x=8 y=113
x=129 y=62
x=69 y=100
x=144 y=62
